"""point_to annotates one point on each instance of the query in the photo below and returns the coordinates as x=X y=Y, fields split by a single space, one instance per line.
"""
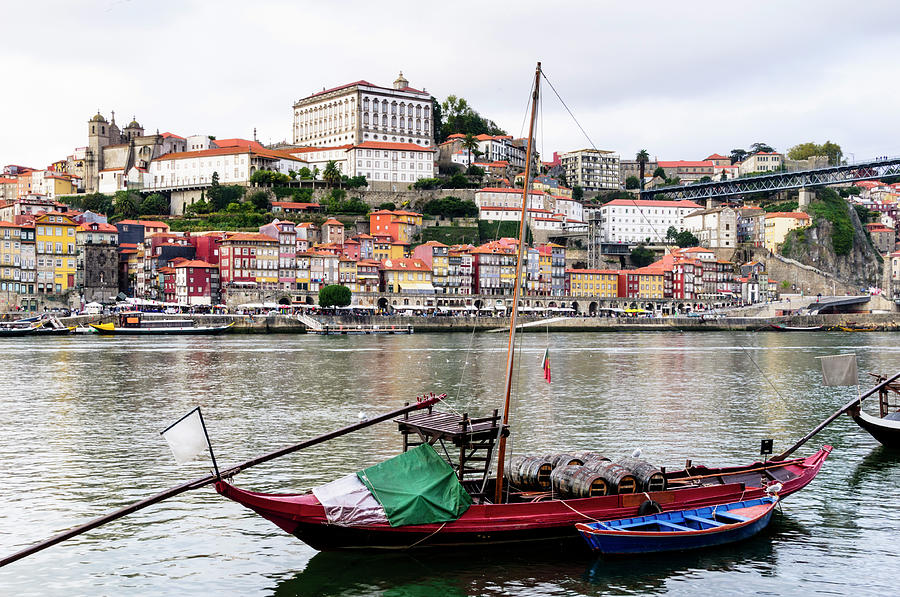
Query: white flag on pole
x=840 y=370
x=187 y=437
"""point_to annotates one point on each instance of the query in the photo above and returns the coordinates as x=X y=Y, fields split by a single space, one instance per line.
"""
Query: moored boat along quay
x=275 y=324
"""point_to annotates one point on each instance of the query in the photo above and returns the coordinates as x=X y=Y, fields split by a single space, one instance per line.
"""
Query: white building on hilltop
x=636 y=220
x=359 y=112
x=187 y=175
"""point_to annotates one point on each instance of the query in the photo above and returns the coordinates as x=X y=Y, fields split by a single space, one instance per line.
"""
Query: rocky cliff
x=836 y=242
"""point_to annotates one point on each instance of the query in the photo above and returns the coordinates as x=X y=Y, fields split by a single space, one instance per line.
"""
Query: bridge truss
x=780 y=181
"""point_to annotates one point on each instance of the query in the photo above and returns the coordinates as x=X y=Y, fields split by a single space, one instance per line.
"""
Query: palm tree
x=331 y=174
x=470 y=143
x=642 y=158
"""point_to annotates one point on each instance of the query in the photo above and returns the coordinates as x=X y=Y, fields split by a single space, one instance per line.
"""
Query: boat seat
x=672 y=525
x=734 y=517
x=700 y=519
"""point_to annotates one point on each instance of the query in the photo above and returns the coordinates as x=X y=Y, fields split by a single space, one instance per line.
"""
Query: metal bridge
x=780 y=181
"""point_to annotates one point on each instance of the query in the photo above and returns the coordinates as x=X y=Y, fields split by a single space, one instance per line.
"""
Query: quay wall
x=263 y=324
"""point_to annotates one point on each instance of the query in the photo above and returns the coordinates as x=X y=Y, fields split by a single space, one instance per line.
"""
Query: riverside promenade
x=291 y=324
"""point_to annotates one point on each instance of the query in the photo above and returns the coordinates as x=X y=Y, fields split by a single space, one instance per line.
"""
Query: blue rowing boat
x=680 y=530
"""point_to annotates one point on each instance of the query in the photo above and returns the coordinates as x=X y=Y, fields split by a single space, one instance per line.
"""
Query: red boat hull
x=490 y=524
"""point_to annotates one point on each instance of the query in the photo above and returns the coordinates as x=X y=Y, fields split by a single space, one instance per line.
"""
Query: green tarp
x=416 y=487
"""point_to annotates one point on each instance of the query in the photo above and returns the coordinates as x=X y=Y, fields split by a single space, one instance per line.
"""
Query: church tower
x=134 y=129
x=98 y=138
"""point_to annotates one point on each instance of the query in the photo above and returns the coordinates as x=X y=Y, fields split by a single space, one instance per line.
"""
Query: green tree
x=470 y=144
x=97 y=202
x=632 y=183
x=459 y=117
x=577 y=193
x=705 y=179
x=268 y=177
x=259 y=200
x=475 y=171
x=641 y=256
x=659 y=173
x=155 y=204
x=451 y=207
x=642 y=158
x=458 y=181
x=806 y=150
x=331 y=174
x=125 y=204
x=671 y=234
x=437 y=121
x=686 y=238
x=760 y=147
x=388 y=206
x=334 y=295
x=304 y=173
x=738 y=155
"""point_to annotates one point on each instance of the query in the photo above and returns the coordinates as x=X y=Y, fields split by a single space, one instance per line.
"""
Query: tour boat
x=8 y=330
x=134 y=324
x=419 y=499
x=680 y=530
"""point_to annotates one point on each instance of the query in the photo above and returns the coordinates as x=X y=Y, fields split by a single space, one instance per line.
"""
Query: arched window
x=384 y=120
x=366 y=119
x=409 y=110
x=418 y=111
x=366 y=104
x=393 y=122
x=374 y=107
x=402 y=123
x=393 y=107
x=384 y=106
x=418 y=124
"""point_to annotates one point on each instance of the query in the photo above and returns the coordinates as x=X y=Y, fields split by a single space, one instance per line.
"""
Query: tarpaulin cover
x=416 y=487
x=349 y=503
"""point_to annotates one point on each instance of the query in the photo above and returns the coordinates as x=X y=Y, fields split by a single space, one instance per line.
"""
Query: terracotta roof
x=172 y=135
x=145 y=223
x=434 y=243
x=332 y=222
x=685 y=164
x=404 y=264
x=196 y=263
x=653 y=203
x=799 y=215
x=97 y=227
x=265 y=153
x=235 y=142
x=502 y=190
x=716 y=156
x=248 y=236
x=312 y=149
x=394 y=146
x=592 y=271
x=294 y=205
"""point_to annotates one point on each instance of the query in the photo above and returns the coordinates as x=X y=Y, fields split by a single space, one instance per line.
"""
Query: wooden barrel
x=617 y=478
x=529 y=473
x=649 y=478
x=558 y=460
x=576 y=481
x=585 y=456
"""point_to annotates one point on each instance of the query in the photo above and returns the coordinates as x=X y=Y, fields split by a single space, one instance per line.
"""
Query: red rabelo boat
x=423 y=501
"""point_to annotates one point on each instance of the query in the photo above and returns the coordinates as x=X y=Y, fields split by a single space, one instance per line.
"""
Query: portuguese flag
x=545 y=364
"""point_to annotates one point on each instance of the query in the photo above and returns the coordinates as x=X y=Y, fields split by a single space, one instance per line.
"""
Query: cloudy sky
x=680 y=79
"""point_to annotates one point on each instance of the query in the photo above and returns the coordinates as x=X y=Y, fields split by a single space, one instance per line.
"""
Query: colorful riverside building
x=55 y=252
x=436 y=255
x=10 y=262
x=646 y=282
x=409 y=276
x=250 y=259
x=196 y=283
x=286 y=234
x=399 y=225
x=602 y=283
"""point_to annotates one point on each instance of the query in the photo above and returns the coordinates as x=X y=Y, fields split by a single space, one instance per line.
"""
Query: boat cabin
x=135 y=319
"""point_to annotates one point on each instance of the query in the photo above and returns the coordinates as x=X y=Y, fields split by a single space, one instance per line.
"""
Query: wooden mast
x=510 y=349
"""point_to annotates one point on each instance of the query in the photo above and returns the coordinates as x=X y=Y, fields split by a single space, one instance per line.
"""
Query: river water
x=81 y=420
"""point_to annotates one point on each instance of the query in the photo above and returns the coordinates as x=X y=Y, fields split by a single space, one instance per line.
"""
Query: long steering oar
x=197 y=483
x=834 y=416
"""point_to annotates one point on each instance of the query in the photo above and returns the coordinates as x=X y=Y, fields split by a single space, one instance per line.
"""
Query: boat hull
x=108 y=330
x=617 y=541
x=886 y=431
x=15 y=332
x=505 y=524
x=788 y=328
